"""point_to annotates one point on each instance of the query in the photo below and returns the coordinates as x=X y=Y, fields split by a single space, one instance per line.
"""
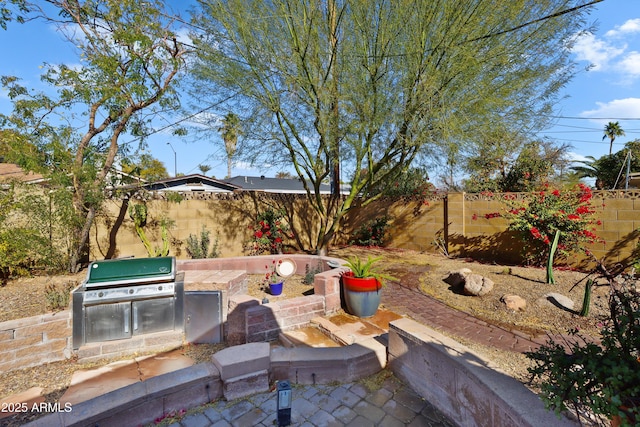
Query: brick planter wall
x=35 y=340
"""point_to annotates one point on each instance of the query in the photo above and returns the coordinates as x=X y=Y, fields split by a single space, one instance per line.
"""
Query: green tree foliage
x=29 y=224
x=525 y=168
x=130 y=58
x=335 y=87
x=146 y=167
x=609 y=170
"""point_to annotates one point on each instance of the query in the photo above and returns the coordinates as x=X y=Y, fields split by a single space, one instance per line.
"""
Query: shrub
x=603 y=378
x=556 y=219
x=372 y=233
x=58 y=296
x=199 y=248
x=309 y=273
x=268 y=233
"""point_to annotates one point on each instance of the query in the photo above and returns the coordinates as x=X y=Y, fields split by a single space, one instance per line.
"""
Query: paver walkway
x=352 y=404
x=433 y=313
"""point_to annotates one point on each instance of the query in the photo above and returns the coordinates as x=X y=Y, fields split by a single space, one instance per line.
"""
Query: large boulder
x=477 y=285
x=457 y=278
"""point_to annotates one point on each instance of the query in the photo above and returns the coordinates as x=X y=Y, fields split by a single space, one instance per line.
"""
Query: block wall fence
x=455 y=221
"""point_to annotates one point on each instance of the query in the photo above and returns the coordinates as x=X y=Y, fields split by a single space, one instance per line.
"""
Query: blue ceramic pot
x=276 y=288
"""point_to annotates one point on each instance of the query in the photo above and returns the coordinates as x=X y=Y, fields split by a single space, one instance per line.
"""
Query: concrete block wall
x=463 y=385
x=457 y=218
x=32 y=341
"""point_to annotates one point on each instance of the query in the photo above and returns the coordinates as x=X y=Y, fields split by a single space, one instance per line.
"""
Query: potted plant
x=273 y=279
x=362 y=286
x=600 y=378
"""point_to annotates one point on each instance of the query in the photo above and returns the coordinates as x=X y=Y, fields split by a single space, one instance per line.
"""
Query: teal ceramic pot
x=362 y=295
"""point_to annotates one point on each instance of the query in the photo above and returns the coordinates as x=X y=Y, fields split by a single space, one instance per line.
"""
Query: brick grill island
x=245 y=319
x=48 y=338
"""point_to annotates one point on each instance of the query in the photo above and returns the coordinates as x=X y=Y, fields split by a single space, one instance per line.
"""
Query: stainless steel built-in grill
x=127 y=297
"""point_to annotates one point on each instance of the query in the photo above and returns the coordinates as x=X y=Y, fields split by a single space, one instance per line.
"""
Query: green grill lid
x=131 y=270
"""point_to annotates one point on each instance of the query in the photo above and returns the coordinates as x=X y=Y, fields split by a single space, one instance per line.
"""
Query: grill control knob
x=160 y=287
x=130 y=291
x=100 y=294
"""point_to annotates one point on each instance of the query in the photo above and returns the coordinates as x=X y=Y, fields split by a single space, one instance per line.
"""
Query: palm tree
x=611 y=130
x=230 y=130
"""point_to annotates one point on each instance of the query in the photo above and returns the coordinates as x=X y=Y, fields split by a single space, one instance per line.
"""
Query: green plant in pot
x=598 y=378
x=362 y=286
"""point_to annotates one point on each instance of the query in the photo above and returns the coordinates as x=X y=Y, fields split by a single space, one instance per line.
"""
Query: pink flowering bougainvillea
x=550 y=211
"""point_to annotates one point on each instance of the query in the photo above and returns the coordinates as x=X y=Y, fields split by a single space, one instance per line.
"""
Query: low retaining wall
x=32 y=341
x=234 y=372
x=464 y=386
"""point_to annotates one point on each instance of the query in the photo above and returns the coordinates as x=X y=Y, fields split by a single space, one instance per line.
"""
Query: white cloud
x=597 y=52
x=630 y=26
x=623 y=108
x=630 y=64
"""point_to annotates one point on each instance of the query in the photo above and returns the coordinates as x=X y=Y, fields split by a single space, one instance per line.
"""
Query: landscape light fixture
x=284 y=403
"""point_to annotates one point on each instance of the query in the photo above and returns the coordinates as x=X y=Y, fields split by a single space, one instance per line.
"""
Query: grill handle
x=127 y=320
x=135 y=317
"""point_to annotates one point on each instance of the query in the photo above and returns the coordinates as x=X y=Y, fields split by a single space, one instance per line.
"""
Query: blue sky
x=608 y=91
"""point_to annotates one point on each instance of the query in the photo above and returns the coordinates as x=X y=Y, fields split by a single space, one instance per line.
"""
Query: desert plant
x=603 y=378
x=198 y=248
x=362 y=269
x=58 y=296
x=138 y=213
x=309 y=273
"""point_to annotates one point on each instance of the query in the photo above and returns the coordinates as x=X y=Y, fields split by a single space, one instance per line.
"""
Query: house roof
x=273 y=185
x=195 y=182
x=12 y=172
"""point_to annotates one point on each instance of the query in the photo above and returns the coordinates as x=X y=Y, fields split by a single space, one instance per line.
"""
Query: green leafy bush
x=198 y=248
x=372 y=233
x=601 y=378
x=551 y=219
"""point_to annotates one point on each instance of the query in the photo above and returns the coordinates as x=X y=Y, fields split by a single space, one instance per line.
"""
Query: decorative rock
x=477 y=285
x=514 y=302
x=457 y=278
x=557 y=300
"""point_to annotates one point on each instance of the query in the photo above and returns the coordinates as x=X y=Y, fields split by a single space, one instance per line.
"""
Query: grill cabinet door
x=105 y=322
x=153 y=315
x=203 y=317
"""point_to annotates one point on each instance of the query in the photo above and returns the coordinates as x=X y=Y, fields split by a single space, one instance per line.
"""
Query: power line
x=593 y=118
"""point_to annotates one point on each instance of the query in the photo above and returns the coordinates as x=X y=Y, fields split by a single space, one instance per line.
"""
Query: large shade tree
x=130 y=58
x=336 y=87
